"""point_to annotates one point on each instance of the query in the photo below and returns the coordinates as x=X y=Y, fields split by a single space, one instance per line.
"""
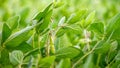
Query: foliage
x=59 y=34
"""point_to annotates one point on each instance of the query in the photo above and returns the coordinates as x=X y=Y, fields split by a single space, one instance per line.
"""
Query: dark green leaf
x=24 y=47
x=113 y=23
x=4 y=57
x=41 y=27
x=31 y=52
x=6 y=32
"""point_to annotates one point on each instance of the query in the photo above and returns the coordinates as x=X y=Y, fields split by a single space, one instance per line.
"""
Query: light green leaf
x=13 y=22
x=74 y=28
x=90 y=18
x=64 y=63
x=41 y=15
x=16 y=57
x=23 y=15
x=18 y=37
x=67 y=52
x=58 y=4
x=89 y=62
x=62 y=20
x=76 y=16
x=61 y=31
x=97 y=28
x=102 y=47
x=46 y=62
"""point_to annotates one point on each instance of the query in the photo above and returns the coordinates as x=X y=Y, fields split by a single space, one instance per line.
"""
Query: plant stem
x=98 y=59
x=48 y=47
x=75 y=64
x=19 y=66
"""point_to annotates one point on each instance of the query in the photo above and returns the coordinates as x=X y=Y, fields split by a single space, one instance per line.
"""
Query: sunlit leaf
x=13 y=22
x=64 y=63
x=18 y=37
x=46 y=62
x=67 y=52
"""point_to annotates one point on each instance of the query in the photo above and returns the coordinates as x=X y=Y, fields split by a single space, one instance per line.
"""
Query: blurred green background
x=79 y=9
x=105 y=9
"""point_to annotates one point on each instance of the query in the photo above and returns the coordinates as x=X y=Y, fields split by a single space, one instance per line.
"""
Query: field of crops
x=59 y=33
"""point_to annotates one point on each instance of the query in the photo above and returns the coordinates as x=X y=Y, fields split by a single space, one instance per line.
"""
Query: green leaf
x=112 y=52
x=18 y=37
x=74 y=28
x=115 y=64
x=90 y=18
x=67 y=52
x=23 y=15
x=116 y=34
x=16 y=57
x=13 y=22
x=4 y=57
x=64 y=63
x=118 y=56
x=43 y=26
x=98 y=28
x=61 y=31
x=76 y=16
x=46 y=62
x=62 y=20
x=71 y=17
x=0 y=38
x=6 y=32
x=31 y=52
x=58 y=4
x=41 y=15
x=61 y=42
x=102 y=47
x=89 y=62
x=113 y=24
x=24 y=47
